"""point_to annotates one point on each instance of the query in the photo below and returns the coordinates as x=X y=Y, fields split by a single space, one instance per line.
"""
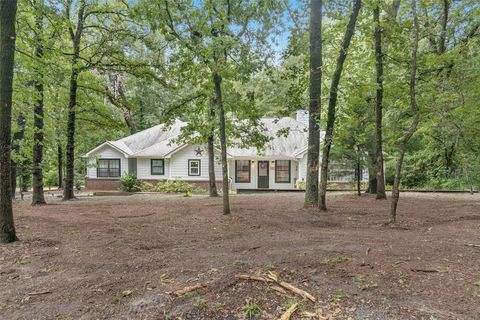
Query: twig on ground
x=38 y=293
x=472 y=245
x=181 y=292
x=255 y=278
x=288 y=314
x=279 y=289
x=291 y=287
x=424 y=270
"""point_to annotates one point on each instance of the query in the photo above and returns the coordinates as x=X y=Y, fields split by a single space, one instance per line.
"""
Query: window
x=193 y=167
x=108 y=168
x=157 y=167
x=282 y=171
x=242 y=171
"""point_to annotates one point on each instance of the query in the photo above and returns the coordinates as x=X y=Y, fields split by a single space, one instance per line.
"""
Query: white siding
x=179 y=164
x=253 y=184
x=106 y=152
x=144 y=170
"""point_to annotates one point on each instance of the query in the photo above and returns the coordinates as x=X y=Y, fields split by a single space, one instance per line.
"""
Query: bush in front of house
x=147 y=186
x=177 y=186
x=130 y=183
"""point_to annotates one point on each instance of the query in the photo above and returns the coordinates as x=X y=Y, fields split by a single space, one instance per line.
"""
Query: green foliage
x=177 y=186
x=251 y=310
x=130 y=183
x=146 y=186
x=50 y=178
x=139 y=60
x=291 y=302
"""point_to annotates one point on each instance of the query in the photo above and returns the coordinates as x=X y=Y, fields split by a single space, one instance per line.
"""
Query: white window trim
x=190 y=161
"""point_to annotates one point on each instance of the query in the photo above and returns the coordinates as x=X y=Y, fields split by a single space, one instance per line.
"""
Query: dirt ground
x=119 y=257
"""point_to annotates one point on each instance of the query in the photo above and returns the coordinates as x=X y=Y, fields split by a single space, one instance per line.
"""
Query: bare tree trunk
x=469 y=180
x=379 y=106
x=217 y=79
x=60 y=164
x=332 y=103
x=17 y=136
x=8 y=10
x=372 y=175
x=68 y=191
x=13 y=178
x=443 y=32
x=416 y=117
x=212 y=184
x=37 y=158
x=117 y=97
x=358 y=171
x=313 y=153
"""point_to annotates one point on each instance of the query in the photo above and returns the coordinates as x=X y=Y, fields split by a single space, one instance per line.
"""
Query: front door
x=263 y=174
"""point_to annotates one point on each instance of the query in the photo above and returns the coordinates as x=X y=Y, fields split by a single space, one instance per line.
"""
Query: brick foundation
x=114 y=184
x=102 y=184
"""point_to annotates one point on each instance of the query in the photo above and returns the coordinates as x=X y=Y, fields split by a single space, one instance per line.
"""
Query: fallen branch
x=38 y=293
x=424 y=270
x=472 y=245
x=278 y=289
x=181 y=292
x=291 y=287
x=288 y=314
x=255 y=278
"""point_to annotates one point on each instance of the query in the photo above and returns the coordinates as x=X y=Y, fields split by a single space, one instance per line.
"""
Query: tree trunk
x=379 y=106
x=414 y=124
x=359 y=178
x=211 y=155
x=38 y=113
x=68 y=191
x=469 y=181
x=13 y=178
x=332 y=103
x=17 y=136
x=443 y=32
x=8 y=9
x=217 y=79
x=116 y=95
x=372 y=175
x=313 y=153
x=60 y=165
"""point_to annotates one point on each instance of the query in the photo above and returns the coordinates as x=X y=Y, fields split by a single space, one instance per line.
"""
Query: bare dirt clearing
x=116 y=257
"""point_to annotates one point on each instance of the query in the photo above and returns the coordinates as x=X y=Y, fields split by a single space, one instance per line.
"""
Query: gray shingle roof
x=158 y=141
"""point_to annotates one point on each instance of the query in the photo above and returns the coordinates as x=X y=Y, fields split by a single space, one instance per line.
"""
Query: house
x=155 y=155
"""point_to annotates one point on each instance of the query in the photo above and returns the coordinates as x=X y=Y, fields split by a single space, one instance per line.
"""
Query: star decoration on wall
x=198 y=152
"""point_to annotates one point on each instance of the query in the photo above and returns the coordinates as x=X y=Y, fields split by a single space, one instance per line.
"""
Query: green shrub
x=130 y=183
x=301 y=185
x=50 y=178
x=146 y=186
x=176 y=186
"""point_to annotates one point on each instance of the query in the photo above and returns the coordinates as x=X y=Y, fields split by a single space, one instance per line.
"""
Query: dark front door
x=263 y=174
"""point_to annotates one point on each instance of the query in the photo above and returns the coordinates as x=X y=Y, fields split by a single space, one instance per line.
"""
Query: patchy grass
x=200 y=303
x=251 y=310
x=364 y=284
x=335 y=260
x=339 y=295
x=291 y=302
